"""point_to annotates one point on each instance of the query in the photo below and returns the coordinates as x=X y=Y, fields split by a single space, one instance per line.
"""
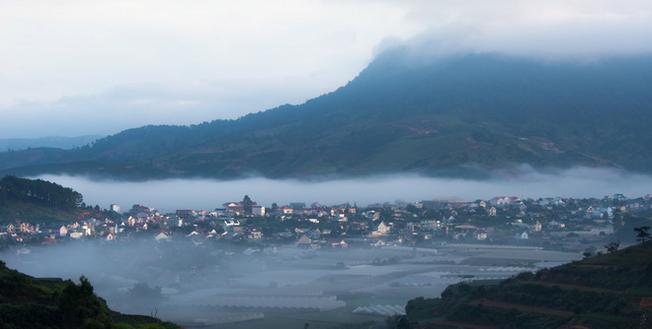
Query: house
x=161 y=237
x=258 y=210
x=115 y=208
x=492 y=212
x=341 y=244
x=504 y=200
x=255 y=235
x=431 y=224
x=646 y=303
x=186 y=213
x=229 y=224
x=481 y=235
x=382 y=230
x=537 y=227
x=304 y=241
x=379 y=243
x=63 y=231
x=234 y=207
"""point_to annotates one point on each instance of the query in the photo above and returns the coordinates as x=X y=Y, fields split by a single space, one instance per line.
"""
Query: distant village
x=555 y=223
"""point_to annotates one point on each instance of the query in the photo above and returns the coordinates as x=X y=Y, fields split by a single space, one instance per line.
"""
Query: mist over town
x=326 y=164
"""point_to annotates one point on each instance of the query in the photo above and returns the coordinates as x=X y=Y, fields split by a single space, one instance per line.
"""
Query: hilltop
x=39 y=201
x=608 y=291
x=458 y=116
x=27 y=302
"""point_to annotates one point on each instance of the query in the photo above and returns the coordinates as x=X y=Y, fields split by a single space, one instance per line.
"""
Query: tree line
x=38 y=191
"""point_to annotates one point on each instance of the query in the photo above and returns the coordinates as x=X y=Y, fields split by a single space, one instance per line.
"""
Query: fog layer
x=205 y=282
x=172 y=194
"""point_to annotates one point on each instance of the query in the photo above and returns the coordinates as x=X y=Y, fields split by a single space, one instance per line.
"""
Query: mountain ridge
x=454 y=116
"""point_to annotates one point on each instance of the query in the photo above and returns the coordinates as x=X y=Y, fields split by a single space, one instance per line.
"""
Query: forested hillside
x=609 y=291
x=32 y=303
x=37 y=201
x=458 y=115
x=38 y=191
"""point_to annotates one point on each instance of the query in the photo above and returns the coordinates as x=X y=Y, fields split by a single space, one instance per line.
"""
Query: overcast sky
x=73 y=67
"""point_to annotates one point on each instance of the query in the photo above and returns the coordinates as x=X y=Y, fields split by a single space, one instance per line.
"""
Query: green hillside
x=604 y=291
x=31 y=303
x=39 y=201
x=447 y=116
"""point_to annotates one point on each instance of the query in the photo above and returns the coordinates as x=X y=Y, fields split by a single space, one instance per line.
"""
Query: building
x=304 y=241
x=258 y=210
x=161 y=237
x=492 y=212
x=382 y=230
x=115 y=208
x=537 y=227
x=63 y=231
x=186 y=213
x=481 y=235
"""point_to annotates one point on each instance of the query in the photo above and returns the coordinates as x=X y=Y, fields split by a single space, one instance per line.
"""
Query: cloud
x=584 y=30
x=63 y=60
x=175 y=194
x=142 y=104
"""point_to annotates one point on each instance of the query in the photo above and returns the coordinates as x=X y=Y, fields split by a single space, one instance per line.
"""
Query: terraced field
x=602 y=292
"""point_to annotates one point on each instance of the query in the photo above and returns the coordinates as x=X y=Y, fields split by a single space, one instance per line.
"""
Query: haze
x=173 y=194
x=93 y=67
x=209 y=282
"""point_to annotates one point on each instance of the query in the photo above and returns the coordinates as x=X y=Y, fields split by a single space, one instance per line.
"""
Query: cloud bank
x=86 y=67
x=173 y=194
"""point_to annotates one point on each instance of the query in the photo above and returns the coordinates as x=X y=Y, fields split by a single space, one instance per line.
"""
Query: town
x=569 y=224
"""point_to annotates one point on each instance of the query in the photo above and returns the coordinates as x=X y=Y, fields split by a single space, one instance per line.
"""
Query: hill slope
x=600 y=292
x=434 y=116
x=39 y=201
x=27 y=302
x=61 y=142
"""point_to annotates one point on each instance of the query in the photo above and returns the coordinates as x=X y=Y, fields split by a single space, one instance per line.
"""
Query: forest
x=38 y=191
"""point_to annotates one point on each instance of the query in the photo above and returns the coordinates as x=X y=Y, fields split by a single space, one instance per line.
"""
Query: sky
x=77 y=67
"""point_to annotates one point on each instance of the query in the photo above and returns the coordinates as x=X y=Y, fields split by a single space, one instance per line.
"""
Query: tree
x=39 y=191
x=403 y=323
x=612 y=246
x=78 y=305
x=642 y=233
x=247 y=205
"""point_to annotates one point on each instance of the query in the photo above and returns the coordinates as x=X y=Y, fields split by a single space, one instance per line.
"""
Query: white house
x=161 y=237
x=381 y=230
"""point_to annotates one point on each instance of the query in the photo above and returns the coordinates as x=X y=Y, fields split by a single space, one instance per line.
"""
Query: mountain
x=456 y=115
x=39 y=201
x=27 y=302
x=7 y=144
x=609 y=291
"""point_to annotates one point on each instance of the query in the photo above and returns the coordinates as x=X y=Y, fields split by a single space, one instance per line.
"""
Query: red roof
x=646 y=302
